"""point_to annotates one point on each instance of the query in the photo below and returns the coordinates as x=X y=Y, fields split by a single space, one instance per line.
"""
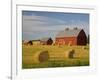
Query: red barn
x=71 y=37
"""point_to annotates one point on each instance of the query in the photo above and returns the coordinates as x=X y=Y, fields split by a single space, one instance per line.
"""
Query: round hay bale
x=70 y=53
x=42 y=56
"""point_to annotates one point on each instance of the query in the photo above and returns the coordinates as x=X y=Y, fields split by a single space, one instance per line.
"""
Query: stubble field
x=58 y=56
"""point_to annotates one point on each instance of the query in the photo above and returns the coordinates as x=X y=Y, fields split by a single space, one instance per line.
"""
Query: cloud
x=34 y=23
x=43 y=19
x=35 y=27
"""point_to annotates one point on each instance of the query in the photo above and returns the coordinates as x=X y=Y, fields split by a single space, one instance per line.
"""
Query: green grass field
x=58 y=56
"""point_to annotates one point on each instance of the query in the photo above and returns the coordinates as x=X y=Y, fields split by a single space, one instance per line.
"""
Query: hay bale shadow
x=71 y=54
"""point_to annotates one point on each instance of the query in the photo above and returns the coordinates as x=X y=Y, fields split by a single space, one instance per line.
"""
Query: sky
x=39 y=24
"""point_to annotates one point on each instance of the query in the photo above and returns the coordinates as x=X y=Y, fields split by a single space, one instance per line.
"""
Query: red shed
x=71 y=37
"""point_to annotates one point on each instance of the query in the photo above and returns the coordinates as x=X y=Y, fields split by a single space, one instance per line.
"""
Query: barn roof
x=69 y=33
x=45 y=39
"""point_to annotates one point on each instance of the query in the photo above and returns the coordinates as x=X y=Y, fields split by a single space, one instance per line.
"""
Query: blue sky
x=38 y=24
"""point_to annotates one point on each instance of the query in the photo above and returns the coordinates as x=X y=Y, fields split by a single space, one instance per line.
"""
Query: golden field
x=58 y=56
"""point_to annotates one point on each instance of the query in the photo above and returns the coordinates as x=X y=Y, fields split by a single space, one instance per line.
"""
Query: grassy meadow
x=58 y=56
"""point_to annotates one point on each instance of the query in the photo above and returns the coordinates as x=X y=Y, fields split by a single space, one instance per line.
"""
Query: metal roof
x=69 y=33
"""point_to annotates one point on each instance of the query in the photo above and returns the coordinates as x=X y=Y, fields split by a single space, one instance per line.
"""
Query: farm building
x=36 y=42
x=25 y=42
x=46 y=41
x=71 y=37
x=30 y=42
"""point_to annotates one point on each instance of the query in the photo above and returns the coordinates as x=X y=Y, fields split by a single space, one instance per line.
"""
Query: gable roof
x=69 y=33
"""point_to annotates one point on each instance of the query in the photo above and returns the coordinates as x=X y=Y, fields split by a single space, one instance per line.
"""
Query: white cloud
x=34 y=25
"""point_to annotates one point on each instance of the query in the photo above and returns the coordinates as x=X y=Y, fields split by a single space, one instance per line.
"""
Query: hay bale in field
x=41 y=56
x=70 y=53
